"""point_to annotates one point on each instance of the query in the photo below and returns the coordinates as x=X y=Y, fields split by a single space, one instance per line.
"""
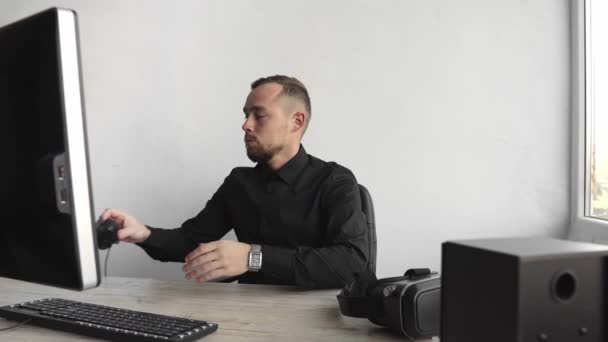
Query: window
x=597 y=109
x=590 y=121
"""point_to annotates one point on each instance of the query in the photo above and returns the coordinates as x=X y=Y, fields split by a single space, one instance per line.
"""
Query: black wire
x=16 y=325
x=105 y=264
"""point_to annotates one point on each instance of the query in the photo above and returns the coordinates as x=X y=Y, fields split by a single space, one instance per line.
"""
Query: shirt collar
x=287 y=172
x=292 y=168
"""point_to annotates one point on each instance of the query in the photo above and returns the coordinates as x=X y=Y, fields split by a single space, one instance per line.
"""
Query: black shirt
x=307 y=216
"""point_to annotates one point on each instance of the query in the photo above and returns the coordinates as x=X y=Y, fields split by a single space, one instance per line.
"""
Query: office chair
x=368 y=209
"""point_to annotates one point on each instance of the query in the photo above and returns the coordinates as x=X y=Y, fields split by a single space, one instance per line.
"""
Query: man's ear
x=299 y=120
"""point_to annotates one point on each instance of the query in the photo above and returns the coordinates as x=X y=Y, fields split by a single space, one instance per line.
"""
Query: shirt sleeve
x=211 y=224
x=344 y=250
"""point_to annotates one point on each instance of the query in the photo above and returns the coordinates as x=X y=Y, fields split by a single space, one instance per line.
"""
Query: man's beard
x=258 y=154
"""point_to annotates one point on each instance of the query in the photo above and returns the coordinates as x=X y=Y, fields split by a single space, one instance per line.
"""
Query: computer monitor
x=46 y=210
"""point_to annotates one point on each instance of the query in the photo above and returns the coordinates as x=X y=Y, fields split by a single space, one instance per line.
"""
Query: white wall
x=455 y=114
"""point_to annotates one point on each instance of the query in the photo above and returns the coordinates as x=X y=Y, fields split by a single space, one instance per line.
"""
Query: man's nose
x=247 y=125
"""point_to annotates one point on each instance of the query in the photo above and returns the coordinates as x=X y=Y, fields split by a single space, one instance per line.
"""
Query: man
x=298 y=219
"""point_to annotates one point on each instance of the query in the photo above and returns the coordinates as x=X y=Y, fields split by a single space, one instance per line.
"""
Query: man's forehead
x=266 y=91
x=263 y=95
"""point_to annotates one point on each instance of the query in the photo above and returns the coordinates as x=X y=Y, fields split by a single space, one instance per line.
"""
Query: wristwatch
x=255 y=258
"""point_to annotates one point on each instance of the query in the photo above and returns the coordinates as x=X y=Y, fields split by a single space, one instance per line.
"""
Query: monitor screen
x=46 y=209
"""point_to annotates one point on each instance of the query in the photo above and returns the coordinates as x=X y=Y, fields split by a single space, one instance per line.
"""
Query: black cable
x=105 y=264
x=16 y=325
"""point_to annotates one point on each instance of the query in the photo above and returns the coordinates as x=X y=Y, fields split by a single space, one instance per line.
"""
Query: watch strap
x=255 y=258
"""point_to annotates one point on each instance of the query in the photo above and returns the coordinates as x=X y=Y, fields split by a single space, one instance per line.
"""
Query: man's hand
x=130 y=229
x=223 y=258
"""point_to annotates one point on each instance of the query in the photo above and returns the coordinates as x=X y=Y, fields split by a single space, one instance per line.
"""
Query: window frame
x=583 y=227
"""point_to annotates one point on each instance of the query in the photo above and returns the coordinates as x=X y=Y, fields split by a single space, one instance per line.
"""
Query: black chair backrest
x=368 y=209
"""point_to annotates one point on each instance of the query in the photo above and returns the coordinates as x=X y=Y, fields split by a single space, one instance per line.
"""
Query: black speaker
x=523 y=290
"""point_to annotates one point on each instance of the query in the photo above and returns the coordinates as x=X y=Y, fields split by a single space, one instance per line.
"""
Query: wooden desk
x=243 y=312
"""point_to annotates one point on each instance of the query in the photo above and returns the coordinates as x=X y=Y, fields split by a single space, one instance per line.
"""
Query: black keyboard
x=106 y=322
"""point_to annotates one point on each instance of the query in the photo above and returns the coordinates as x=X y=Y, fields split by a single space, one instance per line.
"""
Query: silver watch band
x=255 y=258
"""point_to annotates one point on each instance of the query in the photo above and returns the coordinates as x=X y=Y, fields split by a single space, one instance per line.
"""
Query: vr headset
x=407 y=305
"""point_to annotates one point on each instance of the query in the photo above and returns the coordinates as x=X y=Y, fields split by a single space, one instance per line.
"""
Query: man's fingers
x=193 y=263
x=202 y=248
x=104 y=215
x=115 y=214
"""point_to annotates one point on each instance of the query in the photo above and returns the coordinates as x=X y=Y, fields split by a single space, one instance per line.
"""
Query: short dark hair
x=292 y=87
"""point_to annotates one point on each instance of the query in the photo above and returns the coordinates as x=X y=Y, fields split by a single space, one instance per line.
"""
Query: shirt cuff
x=277 y=262
x=154 y=240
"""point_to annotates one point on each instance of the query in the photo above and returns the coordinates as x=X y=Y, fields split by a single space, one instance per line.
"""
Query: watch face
x=256 y=260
